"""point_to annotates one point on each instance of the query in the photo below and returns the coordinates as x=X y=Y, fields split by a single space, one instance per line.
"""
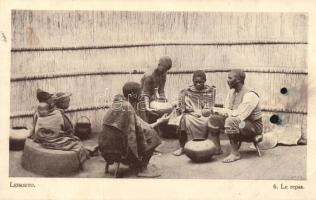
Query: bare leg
x=217 y=142
x=234 y=153
x=183 y=137
x=233 y=133
x=216 y=123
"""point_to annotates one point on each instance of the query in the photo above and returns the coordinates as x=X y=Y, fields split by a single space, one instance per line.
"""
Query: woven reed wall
x=185 y=57
x=72 y=29
x=85 y=52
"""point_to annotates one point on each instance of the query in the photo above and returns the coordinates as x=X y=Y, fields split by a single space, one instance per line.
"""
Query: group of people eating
x=129 y=129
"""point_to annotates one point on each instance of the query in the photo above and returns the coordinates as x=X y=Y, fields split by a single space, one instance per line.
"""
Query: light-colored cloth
x=286 y=135
x=243 y=104
x=56 y=132
x=196 y=127
x=191 y=103
x=53 y=121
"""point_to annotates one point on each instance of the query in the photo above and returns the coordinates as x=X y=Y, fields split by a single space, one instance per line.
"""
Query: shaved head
x=239 y=74
x=166 y=61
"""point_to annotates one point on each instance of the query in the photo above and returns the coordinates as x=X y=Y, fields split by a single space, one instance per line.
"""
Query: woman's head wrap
x=43 y=96
x=61 y=97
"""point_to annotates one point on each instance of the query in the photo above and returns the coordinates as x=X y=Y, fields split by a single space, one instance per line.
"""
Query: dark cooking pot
x=18 y=136
x=199 y=150
x=83 y=128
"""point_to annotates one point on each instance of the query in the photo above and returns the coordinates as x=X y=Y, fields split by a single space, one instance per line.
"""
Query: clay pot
x=200 y=150
x=162 y=106
x=83 y=128
x=206 y=112
x=18 y=136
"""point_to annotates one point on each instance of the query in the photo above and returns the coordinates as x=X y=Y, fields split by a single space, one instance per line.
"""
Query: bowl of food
x=161 y=106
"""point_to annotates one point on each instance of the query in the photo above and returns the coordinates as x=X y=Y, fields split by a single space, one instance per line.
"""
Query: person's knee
x=232 y=128
x=232 y=122
x=215 y=123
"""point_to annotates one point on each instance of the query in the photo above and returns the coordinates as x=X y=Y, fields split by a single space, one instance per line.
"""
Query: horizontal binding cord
x=74 y=74
x=30 y=113
x=134 y=45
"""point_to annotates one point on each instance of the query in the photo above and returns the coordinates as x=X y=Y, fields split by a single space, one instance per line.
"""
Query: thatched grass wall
x=86 y=52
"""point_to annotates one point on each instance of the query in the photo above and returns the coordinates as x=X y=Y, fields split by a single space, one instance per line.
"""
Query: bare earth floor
x=281 y=162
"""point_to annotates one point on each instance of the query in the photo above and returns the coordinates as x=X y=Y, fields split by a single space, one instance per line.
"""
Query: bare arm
x=147 y=90
x=161 y=88
x=162 y=119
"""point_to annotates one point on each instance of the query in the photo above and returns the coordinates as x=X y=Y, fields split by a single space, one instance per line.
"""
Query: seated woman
x=55 y=131
x=195 y=106
x=127 y=138
x=62 y=101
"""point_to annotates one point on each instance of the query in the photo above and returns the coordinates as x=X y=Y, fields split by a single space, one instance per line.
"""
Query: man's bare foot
x=218 y=151
x=178 y=152
x=231 y=158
